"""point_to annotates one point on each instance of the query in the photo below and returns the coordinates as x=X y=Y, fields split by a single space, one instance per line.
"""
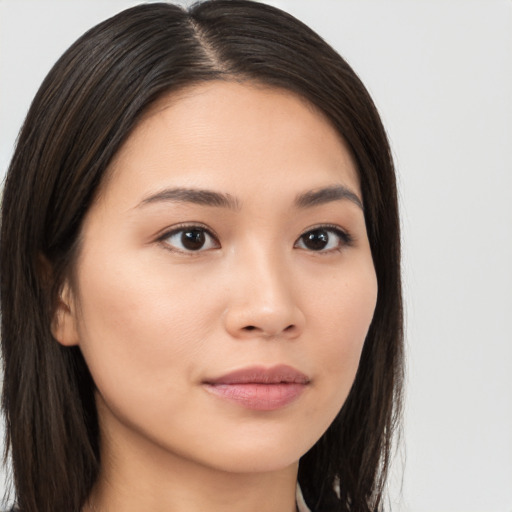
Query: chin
x=260 y=454
x=257 y=462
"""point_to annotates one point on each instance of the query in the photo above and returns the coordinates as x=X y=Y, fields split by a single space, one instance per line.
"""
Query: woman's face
x=225 y=283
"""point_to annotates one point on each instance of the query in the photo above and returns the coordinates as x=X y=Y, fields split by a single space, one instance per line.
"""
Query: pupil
x=193 y=239
x=316 y=240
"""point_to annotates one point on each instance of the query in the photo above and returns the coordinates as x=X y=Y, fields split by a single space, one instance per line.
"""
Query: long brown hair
x=84 y=111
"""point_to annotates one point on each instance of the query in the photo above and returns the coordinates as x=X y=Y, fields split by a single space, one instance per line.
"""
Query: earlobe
x=64 y=321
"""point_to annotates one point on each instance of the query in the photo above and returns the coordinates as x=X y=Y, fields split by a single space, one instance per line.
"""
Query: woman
x=201 y=303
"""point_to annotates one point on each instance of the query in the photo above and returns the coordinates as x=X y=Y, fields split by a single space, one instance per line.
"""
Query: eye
x=190 y=239
x=324 y=239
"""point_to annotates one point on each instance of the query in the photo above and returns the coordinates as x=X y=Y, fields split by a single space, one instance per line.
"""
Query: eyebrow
x=327 y=195
x=218 y=199
x=193 y=195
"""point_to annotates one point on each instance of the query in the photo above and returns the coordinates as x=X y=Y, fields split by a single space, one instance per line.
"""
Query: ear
x=64 y=322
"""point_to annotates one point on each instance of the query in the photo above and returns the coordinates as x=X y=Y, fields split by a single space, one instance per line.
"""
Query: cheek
x=133 y=327
x=344 y=314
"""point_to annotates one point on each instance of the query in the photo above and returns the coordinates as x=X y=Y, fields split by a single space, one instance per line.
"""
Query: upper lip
x=262 y=375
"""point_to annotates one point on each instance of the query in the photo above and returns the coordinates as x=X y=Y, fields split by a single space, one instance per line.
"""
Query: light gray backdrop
x=440 y=72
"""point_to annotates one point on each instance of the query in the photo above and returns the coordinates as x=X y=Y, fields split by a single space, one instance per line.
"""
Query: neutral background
x=441 y=75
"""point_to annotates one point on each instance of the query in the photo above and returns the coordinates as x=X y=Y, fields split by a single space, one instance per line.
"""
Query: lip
x=260 y=388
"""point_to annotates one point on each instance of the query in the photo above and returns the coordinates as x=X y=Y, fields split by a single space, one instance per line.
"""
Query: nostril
x=250 y=328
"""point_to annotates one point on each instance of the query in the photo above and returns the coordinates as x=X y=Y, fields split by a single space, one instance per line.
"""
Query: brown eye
x=323 y=239
x=191 y=239
x=316 y=240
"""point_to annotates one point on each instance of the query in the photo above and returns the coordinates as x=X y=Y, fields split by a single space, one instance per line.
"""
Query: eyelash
x=345 y=238
x=183 y=228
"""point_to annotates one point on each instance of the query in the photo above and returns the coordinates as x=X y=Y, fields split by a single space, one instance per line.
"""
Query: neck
x=193 y=492
x=135 y=478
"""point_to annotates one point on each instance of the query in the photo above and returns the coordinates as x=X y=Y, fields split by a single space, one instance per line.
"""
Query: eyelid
x=327 y=227
x=177 y=228
x=347 y=239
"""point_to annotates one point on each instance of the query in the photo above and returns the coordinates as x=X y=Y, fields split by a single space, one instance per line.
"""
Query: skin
x=154 y=321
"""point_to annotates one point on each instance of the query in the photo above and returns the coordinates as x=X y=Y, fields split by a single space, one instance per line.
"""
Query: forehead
x=219 y=132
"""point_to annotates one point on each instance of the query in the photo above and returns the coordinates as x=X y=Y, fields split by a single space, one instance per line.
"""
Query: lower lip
x=258 y=397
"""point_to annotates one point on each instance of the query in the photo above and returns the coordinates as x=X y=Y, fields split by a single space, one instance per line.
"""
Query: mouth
x=259 y=388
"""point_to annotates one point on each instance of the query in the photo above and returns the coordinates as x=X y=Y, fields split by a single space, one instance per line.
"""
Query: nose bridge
x=263 y=299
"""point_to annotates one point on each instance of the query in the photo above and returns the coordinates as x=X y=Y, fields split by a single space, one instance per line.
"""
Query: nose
x=264 y=300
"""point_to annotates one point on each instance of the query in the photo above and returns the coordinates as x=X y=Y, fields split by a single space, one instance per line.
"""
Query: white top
x=301 y=504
